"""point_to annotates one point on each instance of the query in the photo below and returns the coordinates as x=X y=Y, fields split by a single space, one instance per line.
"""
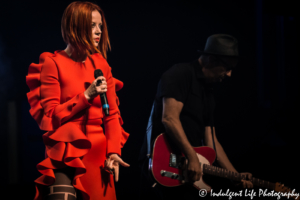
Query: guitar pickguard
x=166 y=165
x=201 y=184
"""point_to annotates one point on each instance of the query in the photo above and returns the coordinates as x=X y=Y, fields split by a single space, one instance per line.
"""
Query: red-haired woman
x=81 y=161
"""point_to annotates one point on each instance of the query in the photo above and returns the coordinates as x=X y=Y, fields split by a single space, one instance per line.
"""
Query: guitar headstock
x=292 y=193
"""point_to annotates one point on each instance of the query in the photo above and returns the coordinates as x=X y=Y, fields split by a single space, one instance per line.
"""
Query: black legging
x=62 y=188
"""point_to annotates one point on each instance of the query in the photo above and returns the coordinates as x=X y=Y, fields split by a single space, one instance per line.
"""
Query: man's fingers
x=198 y=176
x=194 y=175
x=247 y=184
x=250 y=184
x=249 y=176
x=244 y=183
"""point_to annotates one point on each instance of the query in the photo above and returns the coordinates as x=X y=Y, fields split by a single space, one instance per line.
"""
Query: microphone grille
x=98 y=73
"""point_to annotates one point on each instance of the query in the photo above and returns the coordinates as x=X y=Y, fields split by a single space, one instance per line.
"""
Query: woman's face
x=96 y=27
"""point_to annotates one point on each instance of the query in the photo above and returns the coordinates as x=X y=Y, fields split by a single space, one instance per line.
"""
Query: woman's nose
x=98 y=30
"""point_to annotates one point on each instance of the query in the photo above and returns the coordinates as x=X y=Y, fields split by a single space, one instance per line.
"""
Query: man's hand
x=112 y=165
x=192 y=171
x=247 y=181
x=171 y=121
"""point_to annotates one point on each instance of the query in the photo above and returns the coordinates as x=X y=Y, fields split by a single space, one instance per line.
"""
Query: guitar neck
x=216 y=171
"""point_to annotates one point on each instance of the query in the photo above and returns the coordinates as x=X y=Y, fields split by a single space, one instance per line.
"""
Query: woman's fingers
x=120 y=161
x=106 y=163
x=100 y=80
x=109 y=165
x=124 y=164
x=102 y=88
x=113 y=163
x=101 y=84
x=116 y=169
x=98 y=86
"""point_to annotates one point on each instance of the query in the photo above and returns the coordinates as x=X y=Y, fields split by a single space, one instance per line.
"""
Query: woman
x=64 y=98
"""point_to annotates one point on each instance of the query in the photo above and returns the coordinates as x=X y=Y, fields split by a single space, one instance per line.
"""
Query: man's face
x=218 y=74
x=221 y=69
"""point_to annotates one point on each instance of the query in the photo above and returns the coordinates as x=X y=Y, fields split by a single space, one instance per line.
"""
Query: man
x=183 y=110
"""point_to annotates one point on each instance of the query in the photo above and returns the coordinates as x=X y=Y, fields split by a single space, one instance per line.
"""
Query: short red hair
x=76 y=28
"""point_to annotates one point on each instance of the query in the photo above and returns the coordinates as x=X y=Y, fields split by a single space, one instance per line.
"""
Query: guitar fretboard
x=216 y=171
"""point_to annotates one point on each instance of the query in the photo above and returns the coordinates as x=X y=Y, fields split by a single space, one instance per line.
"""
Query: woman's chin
x=96 y=44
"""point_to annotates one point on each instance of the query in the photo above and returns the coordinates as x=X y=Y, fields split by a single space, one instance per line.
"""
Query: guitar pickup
x=176 y=161
x=171 y=175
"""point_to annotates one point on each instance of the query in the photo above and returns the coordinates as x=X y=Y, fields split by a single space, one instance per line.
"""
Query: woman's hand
x=94 y=90
x=112 y=165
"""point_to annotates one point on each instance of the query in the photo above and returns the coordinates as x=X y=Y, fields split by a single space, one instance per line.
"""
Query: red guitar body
x=166 y=167
x=162 y=157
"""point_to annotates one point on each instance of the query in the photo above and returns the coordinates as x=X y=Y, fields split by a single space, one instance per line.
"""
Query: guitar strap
x=211 y=120
x=149 y=132
x=212 y=134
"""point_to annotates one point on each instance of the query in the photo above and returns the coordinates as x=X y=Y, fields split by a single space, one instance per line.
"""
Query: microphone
x=103 y=98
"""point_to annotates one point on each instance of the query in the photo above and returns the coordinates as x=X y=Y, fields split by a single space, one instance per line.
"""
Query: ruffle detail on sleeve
x=119 y=84
x=64 y=147
x=33 y=80
x=124 y=135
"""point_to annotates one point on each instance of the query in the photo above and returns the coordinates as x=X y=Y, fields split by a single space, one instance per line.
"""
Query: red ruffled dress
x=75 y=137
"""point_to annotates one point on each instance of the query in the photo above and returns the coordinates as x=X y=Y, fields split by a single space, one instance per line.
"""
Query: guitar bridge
x=171 y=175
x=176 y=161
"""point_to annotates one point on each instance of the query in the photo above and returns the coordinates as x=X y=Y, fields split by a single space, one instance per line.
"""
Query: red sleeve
x=50 y=96
x=124 y=135
x=112 y=126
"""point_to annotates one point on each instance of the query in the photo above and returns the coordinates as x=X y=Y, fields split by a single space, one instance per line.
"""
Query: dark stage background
x=257 y=111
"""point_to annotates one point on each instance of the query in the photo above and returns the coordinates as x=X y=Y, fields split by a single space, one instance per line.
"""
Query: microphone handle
x=103 y=99
x=104 y=102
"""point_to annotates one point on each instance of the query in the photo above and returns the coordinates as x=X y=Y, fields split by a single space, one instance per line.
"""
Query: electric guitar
x=166 y=166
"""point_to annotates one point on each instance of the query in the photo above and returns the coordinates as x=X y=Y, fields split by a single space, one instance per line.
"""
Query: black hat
x=222 y=45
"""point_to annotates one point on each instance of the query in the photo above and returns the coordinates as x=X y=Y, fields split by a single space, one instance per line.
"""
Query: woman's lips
x=97 y=39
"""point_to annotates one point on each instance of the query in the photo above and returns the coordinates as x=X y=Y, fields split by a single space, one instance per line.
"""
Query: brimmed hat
x=222 y=45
